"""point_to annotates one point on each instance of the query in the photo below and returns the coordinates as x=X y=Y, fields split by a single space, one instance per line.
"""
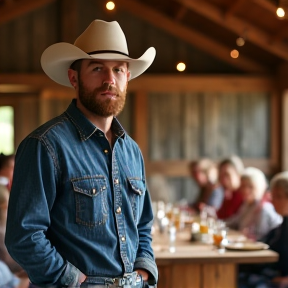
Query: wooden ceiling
x=210 y=25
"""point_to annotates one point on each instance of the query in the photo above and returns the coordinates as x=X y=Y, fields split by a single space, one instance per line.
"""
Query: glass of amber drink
x=219 y=233
x=217 y=239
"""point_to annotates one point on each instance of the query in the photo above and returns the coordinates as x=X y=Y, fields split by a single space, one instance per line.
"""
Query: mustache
x=107 y=87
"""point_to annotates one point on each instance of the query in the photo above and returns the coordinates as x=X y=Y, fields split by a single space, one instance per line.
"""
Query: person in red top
x=230 y=171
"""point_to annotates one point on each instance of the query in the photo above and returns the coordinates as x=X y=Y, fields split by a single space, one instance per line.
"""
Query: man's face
x=102 y=86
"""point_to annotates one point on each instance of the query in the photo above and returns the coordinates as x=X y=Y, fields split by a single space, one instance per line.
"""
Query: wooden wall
x=24 y=39
x=177 y=119
x=173 y=117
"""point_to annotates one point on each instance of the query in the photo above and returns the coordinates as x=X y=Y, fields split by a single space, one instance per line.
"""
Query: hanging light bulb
x=282 y=9
x=240 y=41
x=280 y=12
x=234 y=53
x=110 y=5
x=181 y=66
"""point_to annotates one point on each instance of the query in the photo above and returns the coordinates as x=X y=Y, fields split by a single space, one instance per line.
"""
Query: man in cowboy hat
x=79 y=211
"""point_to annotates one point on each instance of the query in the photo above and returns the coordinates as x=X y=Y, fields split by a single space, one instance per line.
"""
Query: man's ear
x=73 y=77
x=128 y=75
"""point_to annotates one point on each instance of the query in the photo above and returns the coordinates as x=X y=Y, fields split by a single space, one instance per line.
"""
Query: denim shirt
x=75 y=202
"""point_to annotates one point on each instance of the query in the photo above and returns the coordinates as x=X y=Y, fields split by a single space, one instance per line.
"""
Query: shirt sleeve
x=145 y=256
x=31 y=200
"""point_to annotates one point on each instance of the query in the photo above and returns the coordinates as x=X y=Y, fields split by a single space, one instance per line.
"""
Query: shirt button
x=116 y=181
x=94 y=191
x=106 y=151
x=118 y=211
x=123 y=239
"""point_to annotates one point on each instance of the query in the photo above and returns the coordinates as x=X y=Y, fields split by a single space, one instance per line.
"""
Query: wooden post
x=69 y=20
x=285 y=131
x=141 y=120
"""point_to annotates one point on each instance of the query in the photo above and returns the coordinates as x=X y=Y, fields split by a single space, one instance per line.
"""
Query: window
x=6 y=130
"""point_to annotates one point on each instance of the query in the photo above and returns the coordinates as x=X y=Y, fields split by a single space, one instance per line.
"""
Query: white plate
x=250 y=246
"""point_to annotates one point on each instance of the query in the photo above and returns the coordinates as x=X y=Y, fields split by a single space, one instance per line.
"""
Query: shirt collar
x=86 y=128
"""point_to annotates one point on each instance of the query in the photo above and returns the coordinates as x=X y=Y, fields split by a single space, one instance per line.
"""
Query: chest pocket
x=136 y=196
x=91 y=200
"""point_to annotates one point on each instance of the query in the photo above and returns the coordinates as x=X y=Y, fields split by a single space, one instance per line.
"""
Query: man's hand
x=82 y=278
x=143 y=273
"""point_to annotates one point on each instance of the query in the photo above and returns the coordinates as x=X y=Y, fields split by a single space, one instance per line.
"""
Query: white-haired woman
x=256 y=217
x=272 y=274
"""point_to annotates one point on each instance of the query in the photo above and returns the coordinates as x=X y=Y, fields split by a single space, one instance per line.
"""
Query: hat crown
x=102 y=36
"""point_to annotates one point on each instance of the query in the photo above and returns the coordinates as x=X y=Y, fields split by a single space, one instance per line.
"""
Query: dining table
x=183 y=263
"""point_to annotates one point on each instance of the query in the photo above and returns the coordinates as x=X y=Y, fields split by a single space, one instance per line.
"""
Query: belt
x=128 y=279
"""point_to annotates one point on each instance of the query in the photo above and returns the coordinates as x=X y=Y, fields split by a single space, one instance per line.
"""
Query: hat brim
x=57 y=58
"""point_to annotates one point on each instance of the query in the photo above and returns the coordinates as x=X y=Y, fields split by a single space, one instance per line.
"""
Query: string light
x=280 y=12
x=181 y=66
x=110 y=5
x=240 y=41
x=234 y=53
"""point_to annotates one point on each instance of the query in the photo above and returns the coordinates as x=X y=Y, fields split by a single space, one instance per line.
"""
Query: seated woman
x=7 y=279
x=272 y=274
x=230 y=171
x=12 y=266
x=205 y=174
x=256 y=217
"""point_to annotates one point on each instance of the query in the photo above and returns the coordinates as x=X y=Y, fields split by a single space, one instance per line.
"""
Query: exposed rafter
x=190 y=35
x=233 y=7
x=181 y=13
x=238 y=26
x=69 y=20
x=268 y=5
x=11 y=10
x=280 y=34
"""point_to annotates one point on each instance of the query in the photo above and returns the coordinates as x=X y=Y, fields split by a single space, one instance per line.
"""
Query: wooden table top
x=197 y=252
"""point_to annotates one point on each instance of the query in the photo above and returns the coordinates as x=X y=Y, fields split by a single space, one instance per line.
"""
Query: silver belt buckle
x=129 y=279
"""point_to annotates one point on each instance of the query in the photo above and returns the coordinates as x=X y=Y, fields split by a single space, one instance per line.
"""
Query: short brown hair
x=76 y=65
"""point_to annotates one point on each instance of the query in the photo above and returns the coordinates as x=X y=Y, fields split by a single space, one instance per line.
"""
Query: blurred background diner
x=200 y=128
x=12 y=274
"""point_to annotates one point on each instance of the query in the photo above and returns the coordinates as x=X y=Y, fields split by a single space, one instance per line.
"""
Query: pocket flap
x=137 y=185
x=90 y=186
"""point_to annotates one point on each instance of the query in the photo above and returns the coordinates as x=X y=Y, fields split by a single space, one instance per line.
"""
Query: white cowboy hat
x=101 y=40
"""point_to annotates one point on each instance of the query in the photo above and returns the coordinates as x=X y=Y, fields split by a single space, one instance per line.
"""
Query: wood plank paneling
x=254 y=125
x=22 y=43
x=166 y=125
x=191 y=271
x=24 y=125
x=284 y=151
x=221 y=118
x=209 y=126
x=127 y=117
x=191 y=125
x=219 y=276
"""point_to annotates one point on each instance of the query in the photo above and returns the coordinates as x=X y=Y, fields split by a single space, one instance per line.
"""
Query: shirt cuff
x=148 y=265
x=70 y=277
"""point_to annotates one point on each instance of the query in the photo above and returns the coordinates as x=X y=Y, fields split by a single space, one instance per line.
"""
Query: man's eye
x=97 y=68
x=119 y=70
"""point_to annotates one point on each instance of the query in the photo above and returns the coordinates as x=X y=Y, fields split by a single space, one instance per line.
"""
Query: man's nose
x=109 y=77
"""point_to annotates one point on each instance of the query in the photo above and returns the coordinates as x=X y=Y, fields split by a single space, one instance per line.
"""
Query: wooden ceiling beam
x=181 y=13
x=233 y=7
x=268 y=5
x=279 y=35
x=238 y=26
x=190 y=35
x=69 y=20
x=12 y=10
